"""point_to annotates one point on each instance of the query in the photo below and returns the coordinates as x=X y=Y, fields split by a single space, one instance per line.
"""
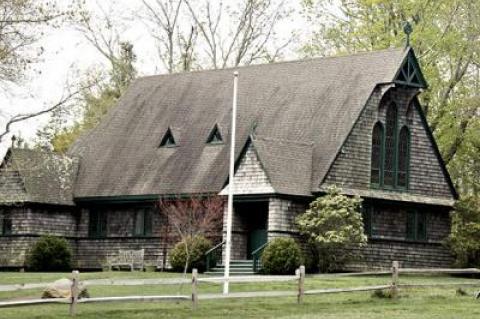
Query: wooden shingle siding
x=351 y=168
x=11 y=186
x=381 y=253
x=250 y=176
x=282 y=214
x=93 y=252
x=389 y=222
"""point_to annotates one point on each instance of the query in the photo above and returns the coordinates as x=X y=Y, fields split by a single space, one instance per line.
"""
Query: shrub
x=381 y=294
x=197 y=247
x=333 y=223
x=281 y=257
x=50 y=253
x=464 y=240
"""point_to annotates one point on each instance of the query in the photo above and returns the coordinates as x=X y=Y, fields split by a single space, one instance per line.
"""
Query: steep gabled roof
x=287 y=164
x=36 y=176
x=313 y=102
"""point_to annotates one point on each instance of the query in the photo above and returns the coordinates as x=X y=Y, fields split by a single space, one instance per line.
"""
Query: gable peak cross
x=408 y=29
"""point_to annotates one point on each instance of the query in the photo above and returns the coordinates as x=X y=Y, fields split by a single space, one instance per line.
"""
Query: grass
x=422 y=303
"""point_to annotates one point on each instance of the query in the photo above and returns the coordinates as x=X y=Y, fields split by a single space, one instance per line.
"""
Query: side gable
x=429 y=181
x=37 y=176
x=250 y=176
x=12 y=187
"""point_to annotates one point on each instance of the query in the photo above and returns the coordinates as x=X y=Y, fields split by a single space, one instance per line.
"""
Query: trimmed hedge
x=197 y=247
x=282 y=256
x=50 y=253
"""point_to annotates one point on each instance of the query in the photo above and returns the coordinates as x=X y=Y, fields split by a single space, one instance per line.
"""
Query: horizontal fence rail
x=299 y=278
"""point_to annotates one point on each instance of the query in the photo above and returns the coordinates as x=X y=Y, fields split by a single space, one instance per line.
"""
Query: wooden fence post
x=74 y=292
x=301 y=284
x=394 y=286
x=194 y=288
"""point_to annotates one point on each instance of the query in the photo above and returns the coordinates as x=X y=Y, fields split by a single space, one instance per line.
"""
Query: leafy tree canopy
x=446 y=39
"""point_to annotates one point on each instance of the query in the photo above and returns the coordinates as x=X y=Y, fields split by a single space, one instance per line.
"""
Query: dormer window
x=215 y=137
x=168 y=140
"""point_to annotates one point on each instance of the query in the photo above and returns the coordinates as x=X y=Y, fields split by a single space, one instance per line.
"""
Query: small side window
x=416 y=228
x=97 y=226
x=6 y=225
x=143 y=223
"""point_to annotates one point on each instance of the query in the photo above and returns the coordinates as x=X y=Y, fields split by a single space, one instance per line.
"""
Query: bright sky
x=66 y=50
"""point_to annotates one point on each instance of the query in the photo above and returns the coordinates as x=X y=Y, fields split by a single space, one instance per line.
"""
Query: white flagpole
x=230 y=186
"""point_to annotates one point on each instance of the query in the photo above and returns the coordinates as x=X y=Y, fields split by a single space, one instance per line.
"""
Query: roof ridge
x=304 y=60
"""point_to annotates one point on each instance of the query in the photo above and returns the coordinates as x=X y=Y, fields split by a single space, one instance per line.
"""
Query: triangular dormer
x=168 y=140
x=215 y=137
x=410 y=73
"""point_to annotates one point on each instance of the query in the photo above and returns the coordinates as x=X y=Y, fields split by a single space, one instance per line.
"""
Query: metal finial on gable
x=14 y=140
x=408 y=29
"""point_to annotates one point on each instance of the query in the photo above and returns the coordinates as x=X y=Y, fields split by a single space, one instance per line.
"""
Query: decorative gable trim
x=410 y=73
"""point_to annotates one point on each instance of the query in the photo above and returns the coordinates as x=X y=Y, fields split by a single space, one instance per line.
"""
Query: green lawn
x=413 y=303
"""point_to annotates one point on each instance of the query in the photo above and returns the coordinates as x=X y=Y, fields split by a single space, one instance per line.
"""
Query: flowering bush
x=333 y=224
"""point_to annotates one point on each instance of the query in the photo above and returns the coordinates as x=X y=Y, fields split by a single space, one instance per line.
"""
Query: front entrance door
x=256 y=238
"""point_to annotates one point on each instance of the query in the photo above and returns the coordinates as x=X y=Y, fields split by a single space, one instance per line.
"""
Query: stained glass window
x=390 y=146
x=377 y=150
x=403 y=157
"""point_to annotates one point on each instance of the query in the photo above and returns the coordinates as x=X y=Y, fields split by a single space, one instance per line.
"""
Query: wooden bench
x=127 y=258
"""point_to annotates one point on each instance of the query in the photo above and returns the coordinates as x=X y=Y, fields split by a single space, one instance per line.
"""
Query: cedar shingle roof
x=36 y=176
x=302 y=112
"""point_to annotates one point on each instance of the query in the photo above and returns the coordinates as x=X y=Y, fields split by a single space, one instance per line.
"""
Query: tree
x=333 y=224
x=446 y=39
x=175 y=46
x=193 y=217
x=251 y=36
x=101 y=89
x=22 y=24
x=464 y=240
x=67 y=97
x=205 y=35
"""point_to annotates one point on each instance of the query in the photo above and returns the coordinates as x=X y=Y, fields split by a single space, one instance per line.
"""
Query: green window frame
x=142 y=223
x=390 y=157
x=390 y=152
x=97 y=224
x=416 y=227
x=377 y=153
x=6 y=225
x=403 y=160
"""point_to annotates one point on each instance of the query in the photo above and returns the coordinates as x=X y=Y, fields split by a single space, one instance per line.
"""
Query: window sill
x=404 y=240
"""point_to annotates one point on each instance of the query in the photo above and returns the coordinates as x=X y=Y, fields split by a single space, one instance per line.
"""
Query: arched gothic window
x=390 y=145
x=403 y=157
x=377 y=151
